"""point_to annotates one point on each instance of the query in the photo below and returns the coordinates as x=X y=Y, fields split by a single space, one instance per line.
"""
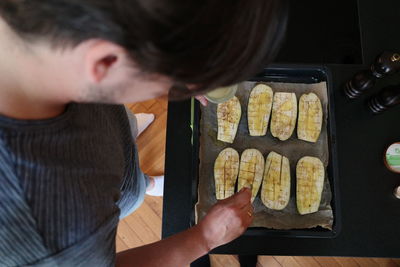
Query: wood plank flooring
x=144 y=225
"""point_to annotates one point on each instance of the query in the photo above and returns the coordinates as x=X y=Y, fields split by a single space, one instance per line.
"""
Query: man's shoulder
x=35 y=200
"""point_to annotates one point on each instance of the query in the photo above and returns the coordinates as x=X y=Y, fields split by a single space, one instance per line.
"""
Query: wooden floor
x=144 y=226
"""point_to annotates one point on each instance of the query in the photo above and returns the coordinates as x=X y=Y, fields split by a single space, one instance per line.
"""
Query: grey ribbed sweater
x=63 y=182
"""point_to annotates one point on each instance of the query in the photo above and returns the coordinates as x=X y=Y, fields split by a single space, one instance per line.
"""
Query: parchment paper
x=293 y=149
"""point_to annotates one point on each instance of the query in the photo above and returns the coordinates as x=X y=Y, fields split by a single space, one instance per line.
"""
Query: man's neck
x=25 y=108
x=25 y=91
x=20 y=98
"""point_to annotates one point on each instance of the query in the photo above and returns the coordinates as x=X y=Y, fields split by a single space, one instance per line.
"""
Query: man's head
x=132 y=50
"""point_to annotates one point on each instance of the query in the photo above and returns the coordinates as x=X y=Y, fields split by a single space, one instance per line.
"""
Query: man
x=69 y=169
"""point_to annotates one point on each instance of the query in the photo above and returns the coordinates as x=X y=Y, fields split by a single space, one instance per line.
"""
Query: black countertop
x=370 y=214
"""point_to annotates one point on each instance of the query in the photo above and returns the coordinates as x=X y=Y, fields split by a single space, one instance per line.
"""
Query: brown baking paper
x=293 y=149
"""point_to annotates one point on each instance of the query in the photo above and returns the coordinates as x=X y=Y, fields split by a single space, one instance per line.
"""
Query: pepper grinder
x=385 y=64
x=387 y=98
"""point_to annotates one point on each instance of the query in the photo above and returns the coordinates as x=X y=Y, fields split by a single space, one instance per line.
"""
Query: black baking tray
x=291 y=74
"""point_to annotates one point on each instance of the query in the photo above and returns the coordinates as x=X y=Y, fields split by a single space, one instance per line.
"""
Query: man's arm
x=225 y=221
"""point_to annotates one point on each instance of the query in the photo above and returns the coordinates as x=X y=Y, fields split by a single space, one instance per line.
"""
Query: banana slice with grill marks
x=259 y=109
x=228 y=114
x=226 y=169
x=284 y=115
x=310 y=174
x=310 y=118
x=251 y=171
x=275 y=192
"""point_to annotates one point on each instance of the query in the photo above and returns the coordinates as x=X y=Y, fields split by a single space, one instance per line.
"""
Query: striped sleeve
x=20 y=242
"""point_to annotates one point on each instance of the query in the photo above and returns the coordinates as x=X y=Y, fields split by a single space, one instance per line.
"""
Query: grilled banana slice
x=251 y=171
x=228 y=114
x=226 y=169
x=310 y=182
x=259 y=109
x=284 y=115
x=275 y=192
x=310 y=118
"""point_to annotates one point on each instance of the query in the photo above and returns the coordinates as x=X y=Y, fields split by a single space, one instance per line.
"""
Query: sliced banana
x=310 y=174
x=228 y=114
x=310 y=118
x=251 y=171
x=284 y=115
x=259 y=109
x=226 y=169
x=275 y=192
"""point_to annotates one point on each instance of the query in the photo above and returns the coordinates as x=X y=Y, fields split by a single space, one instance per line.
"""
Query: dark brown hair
x=206 y=43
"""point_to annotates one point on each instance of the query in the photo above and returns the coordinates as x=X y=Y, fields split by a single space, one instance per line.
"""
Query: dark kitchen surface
x=370 y=214
x=322 y=32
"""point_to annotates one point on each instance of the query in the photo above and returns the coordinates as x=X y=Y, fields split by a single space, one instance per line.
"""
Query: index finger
x=242 y=198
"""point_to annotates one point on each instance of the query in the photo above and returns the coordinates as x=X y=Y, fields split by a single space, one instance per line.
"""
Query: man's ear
x=101 y=57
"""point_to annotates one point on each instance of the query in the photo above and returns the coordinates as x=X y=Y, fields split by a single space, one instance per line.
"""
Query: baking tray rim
x=281 y=72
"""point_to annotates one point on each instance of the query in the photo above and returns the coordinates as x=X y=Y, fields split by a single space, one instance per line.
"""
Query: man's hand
x=227 y=219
